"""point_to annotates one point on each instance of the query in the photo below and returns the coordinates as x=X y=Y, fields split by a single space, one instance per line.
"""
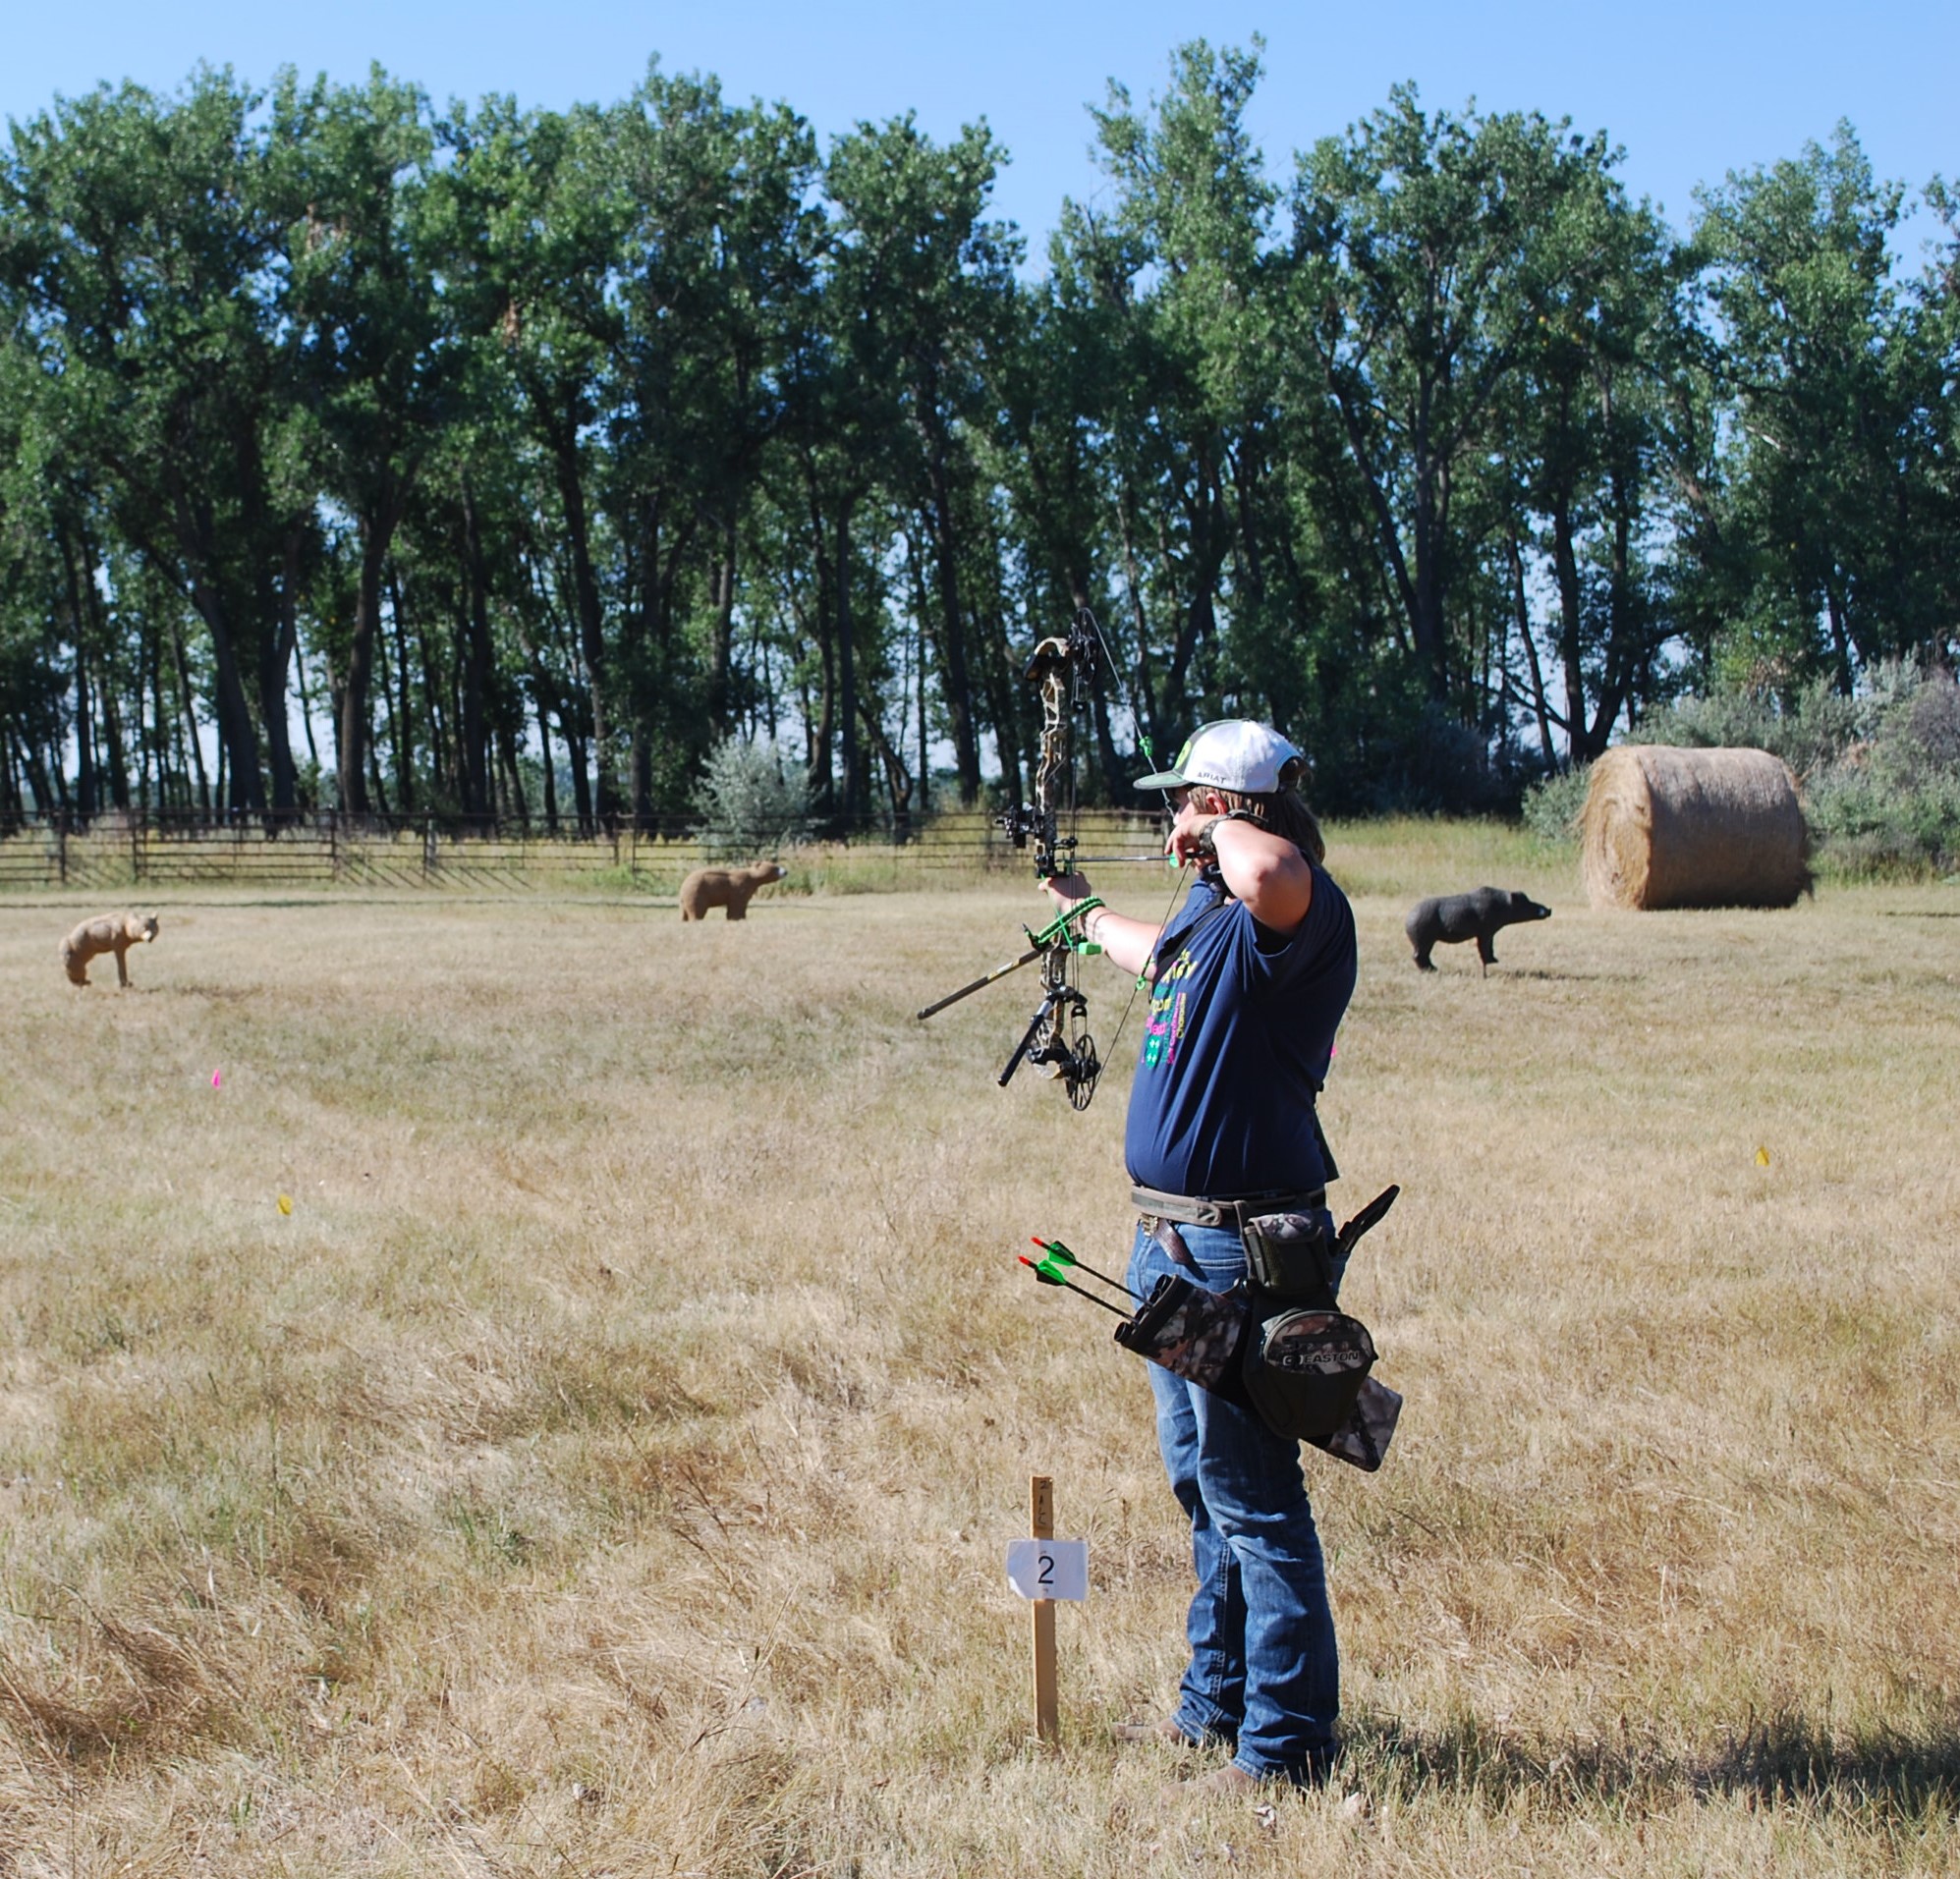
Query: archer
x=1248 y=982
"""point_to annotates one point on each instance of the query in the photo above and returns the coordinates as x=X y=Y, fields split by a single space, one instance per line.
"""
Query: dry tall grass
x=605 y=1467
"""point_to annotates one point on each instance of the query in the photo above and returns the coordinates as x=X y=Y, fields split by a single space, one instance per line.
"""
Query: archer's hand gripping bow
x=1057 y=1038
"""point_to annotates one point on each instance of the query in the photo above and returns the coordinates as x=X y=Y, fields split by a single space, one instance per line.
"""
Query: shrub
x=1807 y=731
x=750 y=802
x=1880 y=770
x=1890 y=802
x=1552 y=803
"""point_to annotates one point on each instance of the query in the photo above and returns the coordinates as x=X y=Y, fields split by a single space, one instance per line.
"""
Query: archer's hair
x=1285 y=813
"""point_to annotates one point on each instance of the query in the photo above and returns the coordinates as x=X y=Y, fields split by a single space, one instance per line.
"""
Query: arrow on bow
x=1057 y=1038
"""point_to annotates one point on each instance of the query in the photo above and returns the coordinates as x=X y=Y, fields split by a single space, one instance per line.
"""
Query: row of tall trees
x=499 y=462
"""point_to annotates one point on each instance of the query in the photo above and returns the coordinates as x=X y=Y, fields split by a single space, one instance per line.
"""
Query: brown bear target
x=108 y=933
x=728 y=887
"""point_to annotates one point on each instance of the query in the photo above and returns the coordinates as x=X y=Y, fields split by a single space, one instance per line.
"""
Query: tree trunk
x=306 y=709
x=1407 y=588
x=478 y=662
x=1428 y=621
x=1523 y=610
x=84 y=738
x=399 y=724
x=1624 y=650
x=84 y=720
x=1006 y=734
x=544 y=746
x=1840 y=637
x=377 y=788
x=154 y=746
x=1209 y=540
x=1115 y=784
x=514 y=796
x=592 y=620
x=956 y=682
x=1565 y=566
x=440 y=730
x=1153 y=725
x=112 y=737
x=721 y=582
x=580 y=766
x=352 y=738
x=898 y=780
x=847 y=665
x=274 y=663
x=189 y=699
x=238 y=746
x=916 y=575
x=108 y=713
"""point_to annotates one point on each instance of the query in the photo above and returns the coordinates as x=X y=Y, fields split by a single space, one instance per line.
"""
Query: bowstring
x=1137 y=984
x=1077 y=696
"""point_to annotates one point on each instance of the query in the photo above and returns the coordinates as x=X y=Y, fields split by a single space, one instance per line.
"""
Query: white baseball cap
x=1232 y=753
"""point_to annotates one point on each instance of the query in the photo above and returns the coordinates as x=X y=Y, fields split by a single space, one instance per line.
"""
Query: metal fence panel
x=129 y=852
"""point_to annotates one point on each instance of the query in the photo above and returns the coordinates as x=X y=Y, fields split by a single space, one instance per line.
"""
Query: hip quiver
x=1277 y=1343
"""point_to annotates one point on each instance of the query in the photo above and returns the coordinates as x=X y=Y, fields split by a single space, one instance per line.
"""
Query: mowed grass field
x=605 y=1468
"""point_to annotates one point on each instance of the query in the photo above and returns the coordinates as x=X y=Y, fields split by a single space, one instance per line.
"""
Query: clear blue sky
x=1690 y=90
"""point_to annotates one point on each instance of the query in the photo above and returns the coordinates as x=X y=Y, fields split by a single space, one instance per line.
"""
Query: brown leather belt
x=1191 y=1210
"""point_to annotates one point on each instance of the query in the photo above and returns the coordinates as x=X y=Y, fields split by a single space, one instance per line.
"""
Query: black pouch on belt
x=1305 y=1359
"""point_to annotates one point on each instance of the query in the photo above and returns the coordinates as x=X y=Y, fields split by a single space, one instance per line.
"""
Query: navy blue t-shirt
x=1239 y=1033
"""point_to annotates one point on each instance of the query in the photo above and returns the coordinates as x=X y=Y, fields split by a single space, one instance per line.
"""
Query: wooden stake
x=1042 y=1526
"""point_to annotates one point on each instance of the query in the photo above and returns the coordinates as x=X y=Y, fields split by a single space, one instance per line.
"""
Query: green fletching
x=1056 y=1260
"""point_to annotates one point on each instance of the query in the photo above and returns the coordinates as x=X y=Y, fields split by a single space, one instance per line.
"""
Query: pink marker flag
x=217 y=1079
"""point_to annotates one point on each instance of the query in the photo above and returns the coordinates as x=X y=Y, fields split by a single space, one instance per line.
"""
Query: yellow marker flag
x=284 y=1203
x=1763 y=1157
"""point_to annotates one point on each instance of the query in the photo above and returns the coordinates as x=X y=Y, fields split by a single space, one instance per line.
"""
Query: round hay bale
x=1667 y=827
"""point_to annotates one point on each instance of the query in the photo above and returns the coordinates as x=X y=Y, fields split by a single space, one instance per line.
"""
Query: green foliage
x=1829 y=523
x=1808 y=727
x=750 y=802
x=1866 y=830
x=1552 y=803
x=541 y=449
x=1890 y=802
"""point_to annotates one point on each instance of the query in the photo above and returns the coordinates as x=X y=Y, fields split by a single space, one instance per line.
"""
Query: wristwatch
x=1205 y=844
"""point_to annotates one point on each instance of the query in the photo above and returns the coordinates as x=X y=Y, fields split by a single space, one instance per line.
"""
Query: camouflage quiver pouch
x=1194 y=1334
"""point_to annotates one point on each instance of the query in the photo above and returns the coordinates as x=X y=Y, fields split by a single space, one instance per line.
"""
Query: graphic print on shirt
x=1165 y=1028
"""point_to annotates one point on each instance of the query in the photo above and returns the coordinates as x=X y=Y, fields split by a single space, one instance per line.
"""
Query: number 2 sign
x=1048 y=1569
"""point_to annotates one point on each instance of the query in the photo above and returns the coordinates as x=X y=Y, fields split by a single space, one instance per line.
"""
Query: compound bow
x=1057 y=1038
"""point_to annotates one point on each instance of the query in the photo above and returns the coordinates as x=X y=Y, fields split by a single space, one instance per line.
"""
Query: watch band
x=1205 y=844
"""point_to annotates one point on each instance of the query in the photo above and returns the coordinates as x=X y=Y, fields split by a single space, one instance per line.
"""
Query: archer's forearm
x=1265 y=871
x=1128 y=944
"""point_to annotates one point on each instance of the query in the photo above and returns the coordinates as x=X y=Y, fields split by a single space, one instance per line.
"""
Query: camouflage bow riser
x=1057 y=1038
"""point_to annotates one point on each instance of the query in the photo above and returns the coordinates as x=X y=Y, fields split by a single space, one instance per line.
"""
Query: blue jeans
x=1264 y=1672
